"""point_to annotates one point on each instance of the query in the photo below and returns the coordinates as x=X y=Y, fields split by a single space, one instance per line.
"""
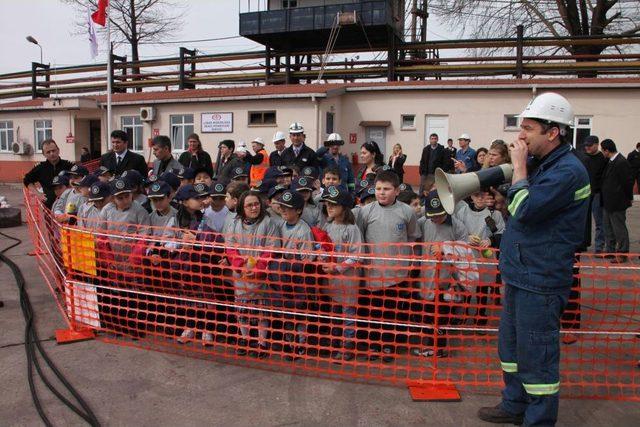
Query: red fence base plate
x=66 y=336
x=433 y=392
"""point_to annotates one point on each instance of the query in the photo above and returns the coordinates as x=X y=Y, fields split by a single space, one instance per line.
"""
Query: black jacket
x=617 y=186
x=596 y=165
x=43 y=173
x=442 y=160
x=224 y=171
x=307 y=157
x=275 y=159
x=201 y=159
x=398 y=166
x=131 y=160
x=634 y=161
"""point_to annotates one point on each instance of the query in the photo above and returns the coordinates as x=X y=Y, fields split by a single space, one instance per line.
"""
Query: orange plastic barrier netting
x=419 y=313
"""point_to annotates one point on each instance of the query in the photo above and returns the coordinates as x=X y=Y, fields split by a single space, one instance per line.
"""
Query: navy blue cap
x=88 y=181
x=184 y=173
x=338 y=195
x=362 y=184
x=192 y=191
x=99 y=191
x=120 y=185
x=309 y=172
x=433 y=207
x=171 y=179
x=284 y=171
x=201 y=169
x=60 y=180
x=79 y=170
x=405 y=187
x=151 y=179
x=240 y=172
x=302 y=183
x=133 y=177
x=159 y=189
x=274 y=191
x=291 y=199
x=367 y=192
x=103 y=170
x=218 y=189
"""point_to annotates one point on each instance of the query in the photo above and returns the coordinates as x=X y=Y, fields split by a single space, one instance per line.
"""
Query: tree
x=557 y=18
x=135 y=22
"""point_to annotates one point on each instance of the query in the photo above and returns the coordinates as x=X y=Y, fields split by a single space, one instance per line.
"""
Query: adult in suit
x=164 y=162
x=298 y=154
x=396 y=161
x=433 y=156
x=617 y=195
x=120 y=158
x=634 y=162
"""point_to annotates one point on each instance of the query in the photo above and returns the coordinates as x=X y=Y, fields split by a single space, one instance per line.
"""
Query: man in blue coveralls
x=548 y=204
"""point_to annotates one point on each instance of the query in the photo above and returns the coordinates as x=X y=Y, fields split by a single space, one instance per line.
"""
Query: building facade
x=389 y=113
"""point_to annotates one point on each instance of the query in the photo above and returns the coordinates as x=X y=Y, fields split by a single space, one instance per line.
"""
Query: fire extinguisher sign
x=353 y=138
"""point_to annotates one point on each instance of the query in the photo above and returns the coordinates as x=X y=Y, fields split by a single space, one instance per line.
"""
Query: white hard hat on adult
x=296 y=127
x=334 y=139
x=550 y=107
x=278 y=136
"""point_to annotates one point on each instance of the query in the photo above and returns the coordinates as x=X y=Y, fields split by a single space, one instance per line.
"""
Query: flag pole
x=109 y=72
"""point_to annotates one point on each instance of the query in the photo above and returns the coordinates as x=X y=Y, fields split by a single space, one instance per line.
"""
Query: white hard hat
x=258 y=140
x=550 y=107
x=334 y=139
x=464 y=136
x=242 y=147
x=296 y=127
x=278 y=136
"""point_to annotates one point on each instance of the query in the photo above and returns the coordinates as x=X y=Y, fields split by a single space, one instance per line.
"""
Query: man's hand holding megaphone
x=519 y=152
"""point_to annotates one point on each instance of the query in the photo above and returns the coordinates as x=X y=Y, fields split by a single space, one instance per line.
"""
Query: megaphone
x=452 y=188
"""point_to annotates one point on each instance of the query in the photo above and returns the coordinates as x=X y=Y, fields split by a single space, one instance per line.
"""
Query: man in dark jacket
x=617 y=195
x=279 y=141
x=298 y=154
x=227 y=161
x=43 y=172
x=434 y=156
x=634 y=161
x=596 y=163
x=120 y=158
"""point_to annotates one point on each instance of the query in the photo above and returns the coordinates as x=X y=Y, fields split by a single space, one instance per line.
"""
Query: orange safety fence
x=424 y=313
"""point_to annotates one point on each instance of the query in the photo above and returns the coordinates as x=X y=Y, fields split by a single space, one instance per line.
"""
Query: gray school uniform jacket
x=396 y=223
x=250 y=240
x=474 y=221
x=162 y=224
x=74 y=201
x=312 y=215
x=297 y=240
x=60 y=204
x=89 y=216
x=342 y=287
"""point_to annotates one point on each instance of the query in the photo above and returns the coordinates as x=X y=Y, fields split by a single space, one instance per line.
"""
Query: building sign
x=216 y=122
x=70 y=138
x=156 y=132
x=353 y=138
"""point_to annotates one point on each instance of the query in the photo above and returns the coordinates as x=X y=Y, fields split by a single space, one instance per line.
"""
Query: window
x=181 y=128
x=408 y=122
x=132 y=125
x=511 y=122
x=42 y=131
x=262 y=118
x=287 y=4
x=581 y=129
x=6 y=135
x=329 y=122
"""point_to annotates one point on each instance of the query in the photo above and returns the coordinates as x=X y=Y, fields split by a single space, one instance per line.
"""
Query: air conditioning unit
x=147 y=114
x=21 y=148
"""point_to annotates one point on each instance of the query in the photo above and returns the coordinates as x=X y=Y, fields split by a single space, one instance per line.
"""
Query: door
x=379 y=135
x=94 y=139
x=438 y=125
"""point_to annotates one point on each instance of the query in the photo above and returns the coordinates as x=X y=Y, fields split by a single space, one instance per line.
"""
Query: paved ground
x=127 y=386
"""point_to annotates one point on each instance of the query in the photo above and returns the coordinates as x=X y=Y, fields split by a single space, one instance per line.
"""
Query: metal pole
x=109 y=61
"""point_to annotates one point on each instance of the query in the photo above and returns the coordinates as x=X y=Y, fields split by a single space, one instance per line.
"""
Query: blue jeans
x=529 y=350
x=596 y=212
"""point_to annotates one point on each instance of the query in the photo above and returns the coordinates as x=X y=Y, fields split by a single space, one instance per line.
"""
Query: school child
x=275 y=210
x=174 y=183
x=186 y=175
x=310 y=214
x=98 y=195
x=342 y=270
x=163 y=215
x=439 y=228
x=104 y=174
x=412 y=199
x=284 y=175
x=75 y=197
x=136 y=181
x=234 y=191
x=389 y=227
x=240 y=174
x=251 y=239
x=61 y=189
x=123 y=216
x=217 y=211
x=364 y=195
x=330 y=177
x=202 y=176
x=485 y=228
x=291 y=281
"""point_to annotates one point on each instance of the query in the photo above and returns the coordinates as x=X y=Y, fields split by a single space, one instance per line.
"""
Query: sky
x=51 y=23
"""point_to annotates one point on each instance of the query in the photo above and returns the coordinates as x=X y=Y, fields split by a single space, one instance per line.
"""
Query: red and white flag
x=100 y=15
